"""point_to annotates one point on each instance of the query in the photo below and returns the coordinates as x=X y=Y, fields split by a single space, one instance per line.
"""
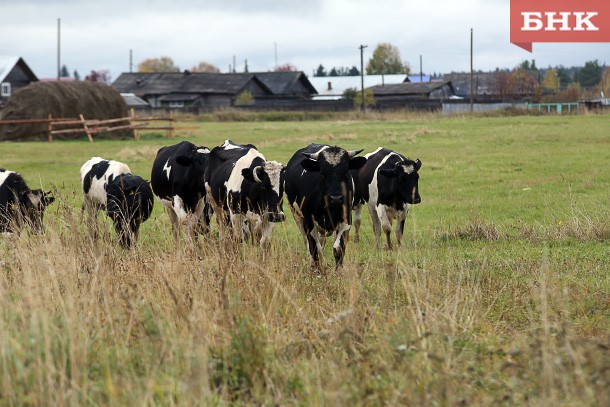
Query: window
x=176 y=104
x=5 y=89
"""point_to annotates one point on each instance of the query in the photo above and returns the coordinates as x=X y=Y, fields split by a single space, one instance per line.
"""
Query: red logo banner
x=558 y=21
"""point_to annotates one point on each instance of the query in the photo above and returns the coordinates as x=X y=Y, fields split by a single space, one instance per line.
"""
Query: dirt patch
x=61 y=100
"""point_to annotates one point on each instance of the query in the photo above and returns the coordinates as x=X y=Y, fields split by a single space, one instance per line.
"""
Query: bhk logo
x=558 y=21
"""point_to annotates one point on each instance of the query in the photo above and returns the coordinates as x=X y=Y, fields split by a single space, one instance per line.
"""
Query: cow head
x=130 y=202
x=405 y=173
x=269 y=179
x=334 y=165
x=32 y=204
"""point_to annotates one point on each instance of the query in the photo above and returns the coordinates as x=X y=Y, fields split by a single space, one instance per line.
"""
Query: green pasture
x=510 y=172
x=500 y=294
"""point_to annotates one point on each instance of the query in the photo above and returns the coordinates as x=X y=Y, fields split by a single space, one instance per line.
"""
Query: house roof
x=163 y=83
x=333 y=87
x=409 y=88
x=134 y=101
x=8 y=63
x=282 y=83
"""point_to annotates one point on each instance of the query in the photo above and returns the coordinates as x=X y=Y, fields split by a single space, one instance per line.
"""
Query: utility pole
x=130 y=61
x=58 y=49
x=471 y=72
x=275 y=48
x=421 y=71
x=362 y=47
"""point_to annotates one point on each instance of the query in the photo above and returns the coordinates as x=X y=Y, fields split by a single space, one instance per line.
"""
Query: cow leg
x=267 y=229
x=91 y=209
x=173 y=217
x=339 y=245
x=400 y=226
x=385 y=223
x=357 y=221
x=315 y=250
x=376 y=225
x=299 y=220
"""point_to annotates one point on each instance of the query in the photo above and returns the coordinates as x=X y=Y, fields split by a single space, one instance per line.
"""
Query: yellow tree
x=205 y=67
x=551 y=81
x=163 y=64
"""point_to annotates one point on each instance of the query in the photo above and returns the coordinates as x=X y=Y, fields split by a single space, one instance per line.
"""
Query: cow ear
x=310 y=165
x=417 y=165
x=388 y=173
x=184 y=160
x=356 y=163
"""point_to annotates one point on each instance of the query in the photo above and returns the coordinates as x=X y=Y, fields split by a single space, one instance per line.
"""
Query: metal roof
x=332 y=87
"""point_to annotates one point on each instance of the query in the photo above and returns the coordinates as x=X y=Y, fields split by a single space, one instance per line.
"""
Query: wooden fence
x=89 y=127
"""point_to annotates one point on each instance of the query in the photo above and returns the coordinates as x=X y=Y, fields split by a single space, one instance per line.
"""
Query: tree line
x=553 y=84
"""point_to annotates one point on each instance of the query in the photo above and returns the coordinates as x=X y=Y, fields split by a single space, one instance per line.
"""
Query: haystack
x=95 y=101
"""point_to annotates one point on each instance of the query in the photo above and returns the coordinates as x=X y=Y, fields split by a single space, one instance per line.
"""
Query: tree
x=65 y=73
x=564 y=76
x=333 y=72
x=163 y=64
x=205 y=67
x=386 y=60
x=369 y=99
x=244 y=98
x=523 y=83
x=76 y=75
x=605 y=85
x=501 y=83
x=527 y=66
x=102 y=76
x=550 y=82
x=590 y=75
x=285 y=68
x=320 y=72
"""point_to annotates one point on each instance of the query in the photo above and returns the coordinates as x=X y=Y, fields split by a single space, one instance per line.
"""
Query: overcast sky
x=98 y=35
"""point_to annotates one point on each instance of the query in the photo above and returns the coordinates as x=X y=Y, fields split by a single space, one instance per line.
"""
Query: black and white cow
x=246 y=189
x=20 y=205
x=177 y=180
x=319 y=188
x=127 y=199
x=388 y=184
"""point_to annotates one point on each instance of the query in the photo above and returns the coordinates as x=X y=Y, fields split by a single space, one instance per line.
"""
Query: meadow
x=500 y=294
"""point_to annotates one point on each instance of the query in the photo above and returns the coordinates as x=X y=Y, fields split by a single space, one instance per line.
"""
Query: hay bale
x=95 y=101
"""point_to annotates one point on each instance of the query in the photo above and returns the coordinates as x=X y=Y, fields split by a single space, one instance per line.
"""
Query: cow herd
x=323 y=185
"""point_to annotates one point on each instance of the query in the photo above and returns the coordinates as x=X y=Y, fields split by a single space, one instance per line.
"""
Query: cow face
x=334 y=165
x=130 y=202
x=407 y=177
x=269 y=179
x=32 y=204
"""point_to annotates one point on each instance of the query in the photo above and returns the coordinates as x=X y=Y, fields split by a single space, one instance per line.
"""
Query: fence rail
x=95 y=126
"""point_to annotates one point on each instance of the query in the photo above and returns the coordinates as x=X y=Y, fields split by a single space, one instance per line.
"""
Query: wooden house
x=409 y=90
x=14 y=75
x=213 y=90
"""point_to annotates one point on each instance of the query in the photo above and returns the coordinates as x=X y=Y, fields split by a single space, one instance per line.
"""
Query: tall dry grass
x=444 y=321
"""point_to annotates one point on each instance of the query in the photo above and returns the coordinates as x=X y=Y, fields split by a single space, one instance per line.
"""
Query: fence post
x=82 y=119
x=136 y=133
x=170 y=132
x=50 y=128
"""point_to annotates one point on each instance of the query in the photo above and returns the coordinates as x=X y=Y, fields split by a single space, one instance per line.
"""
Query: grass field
x=500 y=295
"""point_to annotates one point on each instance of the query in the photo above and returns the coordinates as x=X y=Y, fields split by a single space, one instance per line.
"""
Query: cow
x=319 y=188
x=388 y=184
x=20 y=205
x=246 y=190
x=127 y=199
x=177 y=179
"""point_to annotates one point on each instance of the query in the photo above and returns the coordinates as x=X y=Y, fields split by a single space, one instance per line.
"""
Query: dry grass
x=84 y=322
